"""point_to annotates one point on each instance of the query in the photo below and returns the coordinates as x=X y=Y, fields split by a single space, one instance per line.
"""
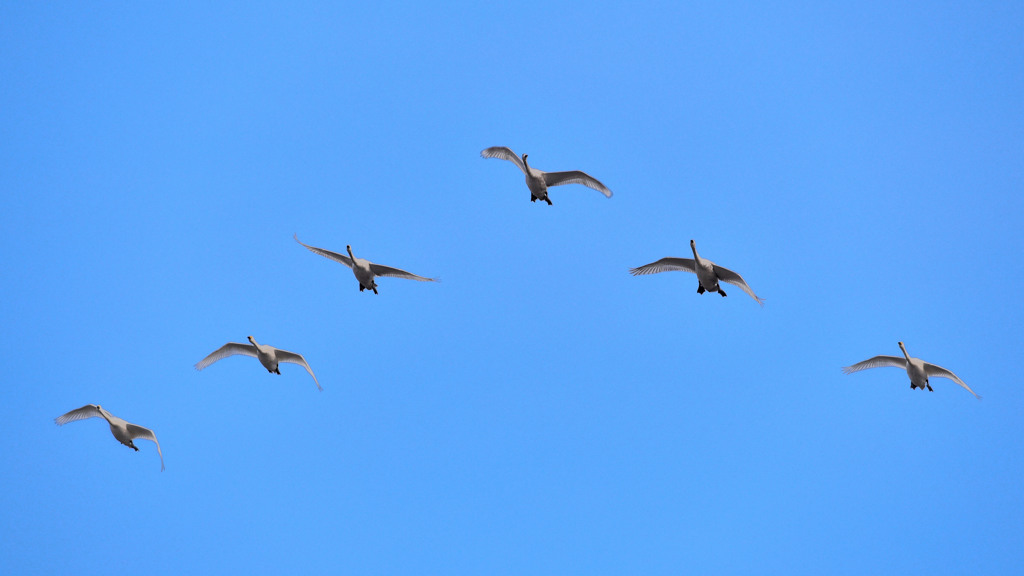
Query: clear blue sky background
x=540 y=411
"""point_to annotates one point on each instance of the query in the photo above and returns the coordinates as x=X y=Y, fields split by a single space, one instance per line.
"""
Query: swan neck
x=525 y=163
x=695 y=255
x=105 y=417
x=904 y=350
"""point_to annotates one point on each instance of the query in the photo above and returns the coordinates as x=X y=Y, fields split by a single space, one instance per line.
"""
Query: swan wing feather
x=504 y=153
x=876 y=362
x=939 y=371
x=341 y=258
x=293 y=358
x=576 y=177
x=136 y=431
x=229 y=349
x=669 y=264
x=730 y=277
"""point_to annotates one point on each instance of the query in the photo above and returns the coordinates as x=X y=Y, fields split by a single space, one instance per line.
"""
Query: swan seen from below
x=364 y=270
x=269 y=356
x=124 y=431
x=709 y=274
x=918 y=370
x=538 y=181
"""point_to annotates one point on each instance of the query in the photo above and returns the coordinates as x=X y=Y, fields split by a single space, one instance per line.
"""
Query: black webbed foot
x=361 y=287
x=375 y=290
x=722 y=292
x=548 y=200
x=700 y=289
x=533 y=198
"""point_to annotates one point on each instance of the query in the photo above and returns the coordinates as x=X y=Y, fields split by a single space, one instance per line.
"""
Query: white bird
x=918 y=370
x=538 y=180
x=708 y=273
x=364 y=270
x=269 y=356
x=124 y=431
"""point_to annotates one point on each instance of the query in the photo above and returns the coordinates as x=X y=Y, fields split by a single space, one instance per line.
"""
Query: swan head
x=250 y=339
x=693 y=244
x=524 y=158
x=349 y=248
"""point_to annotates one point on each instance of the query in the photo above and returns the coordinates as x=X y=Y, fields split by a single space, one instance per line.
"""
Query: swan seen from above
x=124 y=431
x=538 y=180
x=364 y=270
x=269 y=356
x=918 y=370
x=709 y=274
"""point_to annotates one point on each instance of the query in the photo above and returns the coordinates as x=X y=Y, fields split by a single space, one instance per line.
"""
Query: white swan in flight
x=708 y=273
x=538 y=180
x=918 y=370
x=269 y=356
x=364 y=270
x=124 y=431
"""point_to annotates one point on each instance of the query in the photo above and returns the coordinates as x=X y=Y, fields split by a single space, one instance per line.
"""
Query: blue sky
x=540 y=411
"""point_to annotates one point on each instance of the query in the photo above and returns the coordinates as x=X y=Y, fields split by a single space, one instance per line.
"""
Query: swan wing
x=504 y=153
x=136 y=431
x=933 y=370
x=665 y=265
x=87 y=411
x=326 y=253
x=229 y=349
x=293 y=358
x=382 y=270
x=876 y=362
x=730 y=277
x=576 y=177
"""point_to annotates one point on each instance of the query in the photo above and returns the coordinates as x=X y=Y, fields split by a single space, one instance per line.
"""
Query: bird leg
x=722 y=292
x=277 y=371
x=132 y=445
x=361 y=288
x=929 y=387
x=533 y=198
x=700 y=289
x=548 y=200
x=375 y=290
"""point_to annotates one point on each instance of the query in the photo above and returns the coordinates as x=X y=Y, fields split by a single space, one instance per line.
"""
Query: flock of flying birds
x=710 y=276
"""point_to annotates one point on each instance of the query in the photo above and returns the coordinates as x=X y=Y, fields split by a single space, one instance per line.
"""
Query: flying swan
x=538 y=180
x=918 y=370
x=708 y=273
x=124 y=431
x=364 y=270
x=269 y=356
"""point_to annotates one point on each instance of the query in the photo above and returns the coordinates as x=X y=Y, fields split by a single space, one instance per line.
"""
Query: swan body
x=269 y=356
x=124 y=431
x=538 y=180
x=364 y=270
x=918 y=370
x=709 y=274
